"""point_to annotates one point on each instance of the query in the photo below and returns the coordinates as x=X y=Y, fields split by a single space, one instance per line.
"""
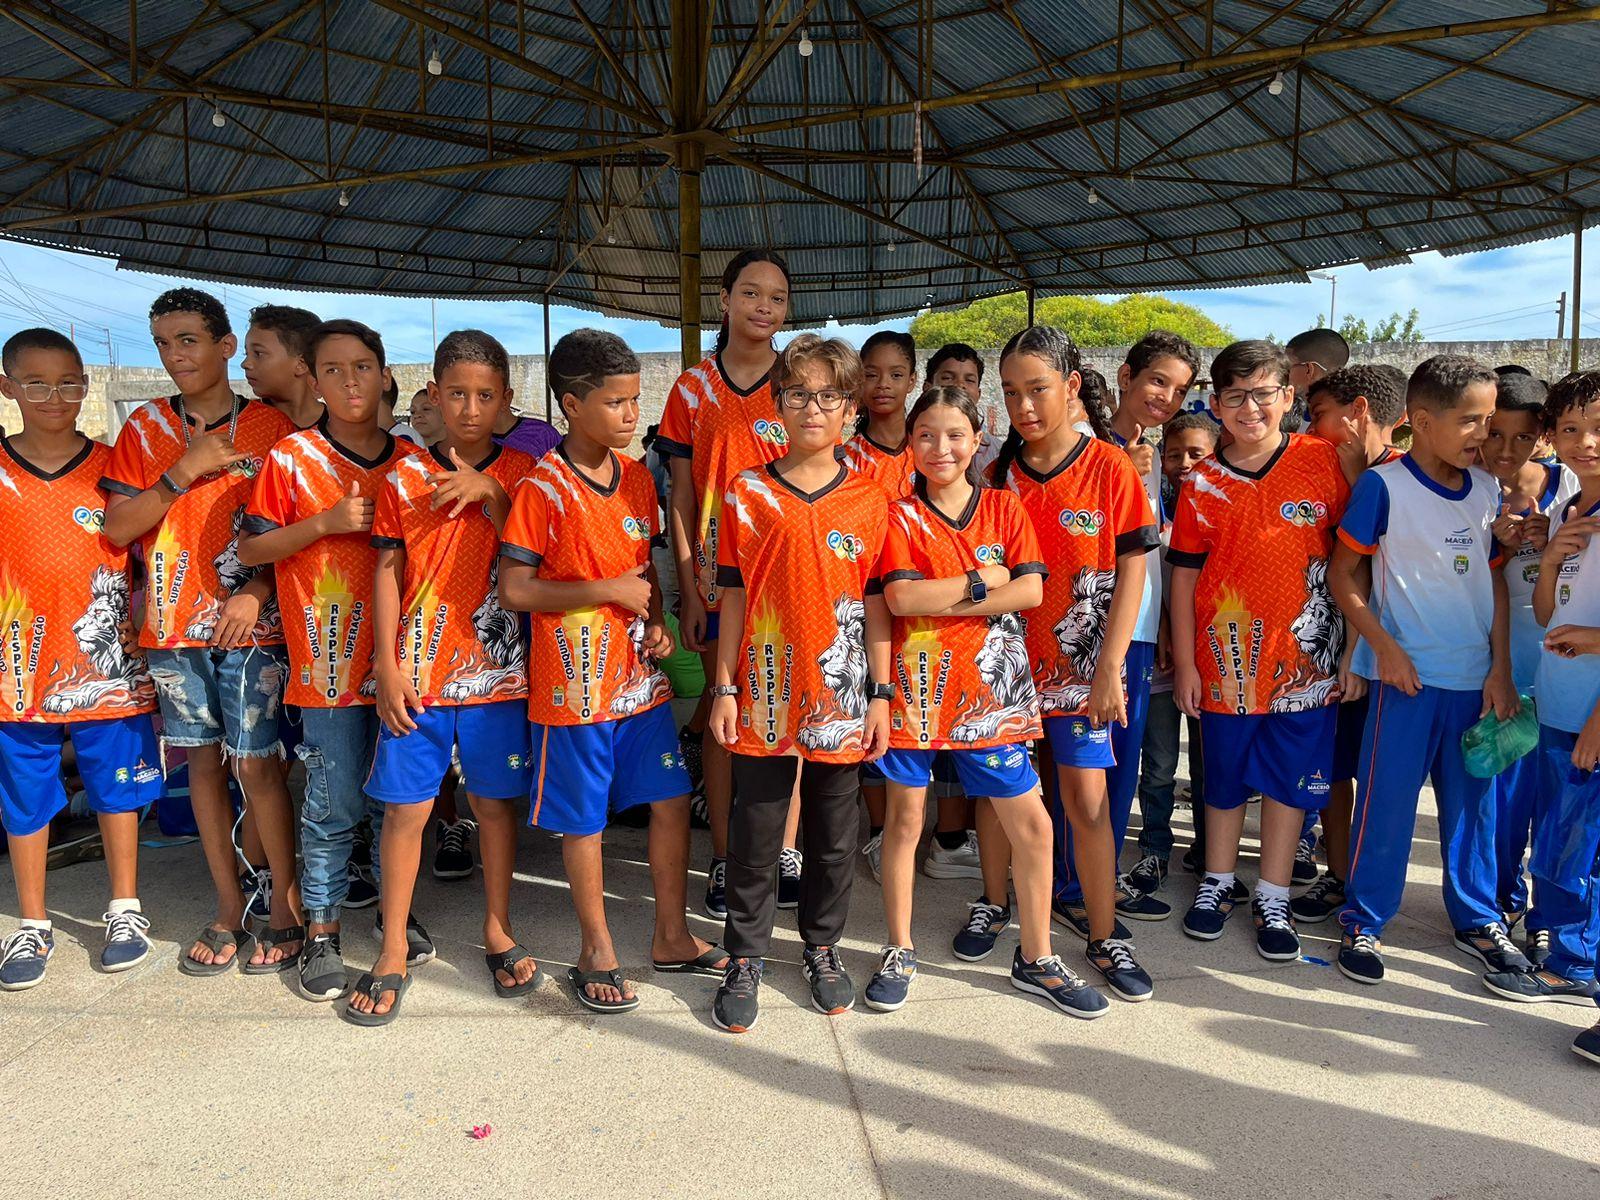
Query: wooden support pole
x=1577 y=285
x=690 y=51
x=549 y=387
x=691 y=160
x=1030 y=308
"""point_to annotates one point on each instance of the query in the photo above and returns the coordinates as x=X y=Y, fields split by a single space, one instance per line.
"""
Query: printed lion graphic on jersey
x=645 y=683
x=837 y=714
x=231 y=576
x=501 y=637
x=1079 y=635
x=1003 y=666
x=1320 y=631
x=112 y=673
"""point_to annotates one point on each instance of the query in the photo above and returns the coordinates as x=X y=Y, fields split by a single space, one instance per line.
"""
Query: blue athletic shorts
x=713 y=630
x=1285 y=756
x=1349 y=725
x=117 y=758
x=583 y=773
x=491 y=741
x=1000 y=772
x=872 y=774
x=1074 y=742
x=221 y=697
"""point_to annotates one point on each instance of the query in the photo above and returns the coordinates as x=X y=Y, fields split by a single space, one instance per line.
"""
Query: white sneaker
x=873 y=851
x=960 y=863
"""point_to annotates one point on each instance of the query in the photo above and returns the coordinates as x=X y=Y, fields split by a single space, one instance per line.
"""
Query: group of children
x=889 y=599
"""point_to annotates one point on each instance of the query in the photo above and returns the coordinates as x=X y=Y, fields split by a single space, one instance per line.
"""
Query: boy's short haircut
x=838 y=355
x=1186 y=421
x=1384 y=388
x=1439 y=382
x=583 y=360
x=192 y=300
x=1399 y=377
x=295 y=327
x=419 y=394
x=1325 y=347
x=343 y=327
x=1243 y=359
x=955 y=352
x=1520 y=393
x=37 y=338
x=1159 y=344
x=1505 y=369
x=472 y=346
x=1577 y=390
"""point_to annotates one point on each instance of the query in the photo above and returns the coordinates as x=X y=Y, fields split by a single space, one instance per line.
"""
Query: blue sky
x=1495 y=294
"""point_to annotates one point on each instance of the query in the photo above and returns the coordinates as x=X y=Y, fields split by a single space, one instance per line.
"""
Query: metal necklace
x=233 y=418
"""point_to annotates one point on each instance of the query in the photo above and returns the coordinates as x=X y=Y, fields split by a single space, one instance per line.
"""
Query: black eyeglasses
x=827 y=400
x=1262 y=396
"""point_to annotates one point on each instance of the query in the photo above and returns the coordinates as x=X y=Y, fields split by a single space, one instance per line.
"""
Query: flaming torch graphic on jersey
x=768 y=675
x=1235 y=642
x=332 y=622
x=20 y=633
x=168 y=566
x=582 y=662
x=923 y=668
x=420 y=639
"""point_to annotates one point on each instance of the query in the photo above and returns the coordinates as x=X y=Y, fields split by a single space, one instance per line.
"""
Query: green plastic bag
x=682 y=667
x=1492 y=745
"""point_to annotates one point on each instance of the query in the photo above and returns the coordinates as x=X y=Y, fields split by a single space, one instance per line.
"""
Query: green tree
x=1393 y=328
x=991 y=322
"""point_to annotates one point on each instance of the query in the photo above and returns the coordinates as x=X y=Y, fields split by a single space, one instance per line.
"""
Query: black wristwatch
x=977 y=589
x=725 y=689
x=879 y=691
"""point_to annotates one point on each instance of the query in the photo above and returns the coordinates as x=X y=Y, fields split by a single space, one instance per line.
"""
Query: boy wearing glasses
x=64 y=669
x=1256 y=638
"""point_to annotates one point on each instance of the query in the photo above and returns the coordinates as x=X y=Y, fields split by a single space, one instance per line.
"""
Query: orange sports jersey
x=64 y=597
x=192 y=555
x=324 y=590
x=961 y=682
x=456 y=644
x=1267 y=634
x=584 y=666
x=892 y=470
x=1089 y=511
x=721 y=431
x=806 y=563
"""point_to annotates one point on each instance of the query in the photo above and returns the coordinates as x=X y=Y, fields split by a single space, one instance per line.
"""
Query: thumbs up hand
x=353 y=514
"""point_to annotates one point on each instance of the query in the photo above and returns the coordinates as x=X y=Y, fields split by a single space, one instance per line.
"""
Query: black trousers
x=829 y=827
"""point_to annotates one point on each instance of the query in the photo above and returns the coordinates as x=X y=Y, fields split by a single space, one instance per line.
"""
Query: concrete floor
x=1240 y=1079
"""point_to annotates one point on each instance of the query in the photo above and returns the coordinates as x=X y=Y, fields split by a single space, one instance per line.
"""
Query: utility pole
x=1333 y=293
x=1561 y=317
x=1577 y=284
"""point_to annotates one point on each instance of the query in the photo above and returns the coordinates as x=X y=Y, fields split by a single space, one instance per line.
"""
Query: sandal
x=581 y=979
x=271 y=939
x=713 y=961
x=375 y=986
x=216 y=941
x=505 y=961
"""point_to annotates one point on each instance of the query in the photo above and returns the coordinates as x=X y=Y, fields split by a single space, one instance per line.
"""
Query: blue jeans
x=220 y=697
x=1158 y=780
x=336 y=748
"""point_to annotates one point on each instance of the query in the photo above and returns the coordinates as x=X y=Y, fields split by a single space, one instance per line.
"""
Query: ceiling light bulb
x=217 y=118
x=435 y=67
x=1094 y=196
x=889 y=249
x=806 y=46
x=1275 y=88
x=611 y=239
x=344 y=197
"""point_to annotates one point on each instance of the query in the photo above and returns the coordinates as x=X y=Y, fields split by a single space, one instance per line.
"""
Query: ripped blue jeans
x=337 y=751
x=220 y=697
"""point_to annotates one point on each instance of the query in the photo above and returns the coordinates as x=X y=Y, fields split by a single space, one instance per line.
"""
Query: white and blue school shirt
x=1522 y=575
x=1569 y=688
x=1148 y=627
x=1433 y=555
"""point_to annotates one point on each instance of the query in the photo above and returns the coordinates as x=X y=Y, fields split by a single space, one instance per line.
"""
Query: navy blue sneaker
x=736 y=1005
x=1536 y=987
x=790 y=864
x=1587 y=1043
x=1148 y=874
x=1537 y=948
x=126 y=945
x=1076 y=918
x=23 y=958
x=1319 y=901
x=716 y=901
x=1492 y=946
x=1305 y=862
x=832 y=989
x=1213 y=905
x=1138 y=905
x=257 y=887
x=360 y=891
x=890 y=985
x=1123 y=974
x=985 y=923
x=1276 y=940
x=1051 y=978
x=1361 y=957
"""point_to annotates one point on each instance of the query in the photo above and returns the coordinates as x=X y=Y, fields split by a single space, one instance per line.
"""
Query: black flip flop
x=216 y=941
x=375 y=986
x=581 y=979
x=271 y=939
x=505 y=961
x=713 y=962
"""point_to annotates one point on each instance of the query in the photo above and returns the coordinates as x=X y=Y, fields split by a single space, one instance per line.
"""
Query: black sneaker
x=832 y=990
x=1492 y=946
x=452 y=857
x=1054 y=980
x=735 y=1007
x=1123 y=974
x=1361 y=957
x=985 y=923
x=1537 y=948
x=716 y=901
x=1076 y=918
x=1587 y=1043
x=361 y=847
x=1192 y=862
x=322 y=974
x=1138 y=905
x=1535 y=987
x=1148 y=874
x=890 y=985
x=1305 y=863
x=790 y=864
x=1213 y=905
x=1319 y=901
x=1276 y=940
x=419 y=946
x=256 y=884
x=691 y=748
x=360 y=891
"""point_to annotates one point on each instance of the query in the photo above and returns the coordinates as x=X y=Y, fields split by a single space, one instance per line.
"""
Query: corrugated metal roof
x=1200 y=177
